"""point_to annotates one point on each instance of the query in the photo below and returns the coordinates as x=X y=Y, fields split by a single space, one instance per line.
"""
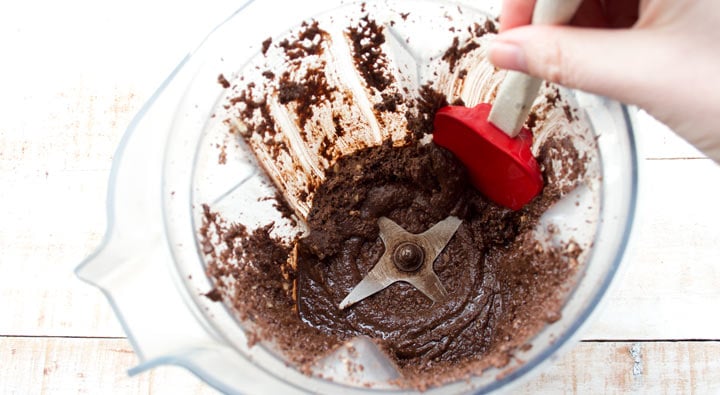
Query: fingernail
x=507 y=55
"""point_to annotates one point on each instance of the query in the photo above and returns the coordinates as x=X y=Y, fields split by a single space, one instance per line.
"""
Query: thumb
x=614 y=63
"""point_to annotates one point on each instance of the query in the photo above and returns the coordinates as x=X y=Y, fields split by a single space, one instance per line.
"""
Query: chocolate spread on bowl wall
x=503 y=283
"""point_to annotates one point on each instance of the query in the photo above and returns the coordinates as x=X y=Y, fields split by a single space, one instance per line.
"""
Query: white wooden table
x=73 y=73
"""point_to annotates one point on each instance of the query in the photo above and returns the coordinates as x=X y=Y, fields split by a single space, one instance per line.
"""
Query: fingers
x=665 y=64
x=516 y=13
x=591 y=13
x=605 y=62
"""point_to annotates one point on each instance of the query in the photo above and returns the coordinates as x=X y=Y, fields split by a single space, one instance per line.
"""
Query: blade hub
x=408 y=257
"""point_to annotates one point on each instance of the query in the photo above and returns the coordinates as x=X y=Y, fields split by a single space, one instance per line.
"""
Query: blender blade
x=408 y=257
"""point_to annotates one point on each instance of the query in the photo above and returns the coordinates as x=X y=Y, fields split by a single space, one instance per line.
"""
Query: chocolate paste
x=503 y=283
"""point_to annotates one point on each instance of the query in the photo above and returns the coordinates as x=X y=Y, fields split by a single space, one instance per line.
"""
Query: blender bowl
x=183 y=156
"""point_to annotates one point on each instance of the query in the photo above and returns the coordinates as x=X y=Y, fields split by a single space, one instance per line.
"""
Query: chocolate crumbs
x=223 y=82
x=420 y=120
x=308 y=43
x=367 y=39
x=313 y=89
x=266 y=45
x=456 y=52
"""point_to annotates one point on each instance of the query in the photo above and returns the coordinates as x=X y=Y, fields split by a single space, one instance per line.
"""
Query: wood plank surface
x=61 y=365
x=75 y=73
x=84 y=365
x=632 y=368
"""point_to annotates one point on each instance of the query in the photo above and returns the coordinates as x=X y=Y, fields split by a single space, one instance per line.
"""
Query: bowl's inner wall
x=236 y=177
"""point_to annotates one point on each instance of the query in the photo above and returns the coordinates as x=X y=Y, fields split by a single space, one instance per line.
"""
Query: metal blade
x=430 y=285
x=439 y=235
x=389 y=230
x=369 y=285
x=385 y=272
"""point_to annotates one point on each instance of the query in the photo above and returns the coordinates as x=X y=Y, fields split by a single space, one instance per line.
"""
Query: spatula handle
x=518 y=91
x=554 y=12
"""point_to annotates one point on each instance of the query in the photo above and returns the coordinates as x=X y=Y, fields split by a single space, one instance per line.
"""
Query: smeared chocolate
x=504 y=284
x=367 y=38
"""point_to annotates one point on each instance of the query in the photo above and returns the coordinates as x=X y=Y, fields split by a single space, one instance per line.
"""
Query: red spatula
x=491 y=140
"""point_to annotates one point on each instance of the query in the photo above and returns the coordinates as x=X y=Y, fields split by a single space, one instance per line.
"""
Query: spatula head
x=502 y=168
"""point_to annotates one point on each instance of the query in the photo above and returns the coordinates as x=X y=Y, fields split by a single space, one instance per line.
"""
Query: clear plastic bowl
x=151 y=267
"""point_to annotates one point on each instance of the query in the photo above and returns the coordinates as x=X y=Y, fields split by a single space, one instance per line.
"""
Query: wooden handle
x=518 y=91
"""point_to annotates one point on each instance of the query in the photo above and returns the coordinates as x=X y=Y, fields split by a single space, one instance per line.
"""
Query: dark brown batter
x=503 y=284
x=491 y=269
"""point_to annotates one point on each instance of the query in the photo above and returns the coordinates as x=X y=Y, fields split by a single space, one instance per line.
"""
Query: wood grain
x=632 y=368
x=61 y=365
x=73 y=77
x=75 y=365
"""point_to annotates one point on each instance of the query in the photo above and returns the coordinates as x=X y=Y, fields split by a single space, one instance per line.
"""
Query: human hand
x=661 y=55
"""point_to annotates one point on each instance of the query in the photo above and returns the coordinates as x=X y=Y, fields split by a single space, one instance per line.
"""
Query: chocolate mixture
x=491 y=268
x=504 y=285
